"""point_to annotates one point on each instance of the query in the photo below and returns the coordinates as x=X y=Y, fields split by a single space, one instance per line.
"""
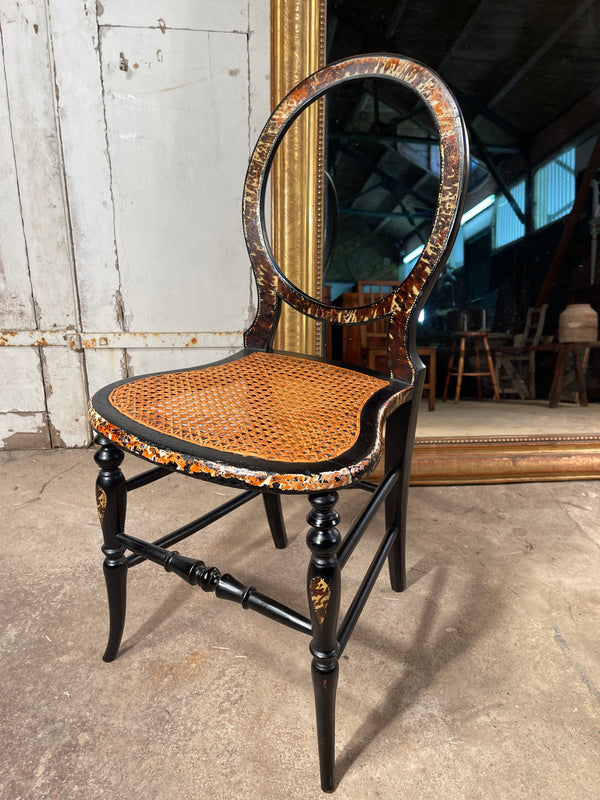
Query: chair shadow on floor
x=425 y=658
x=173 y=602
x=419 y=662
x=179 y=595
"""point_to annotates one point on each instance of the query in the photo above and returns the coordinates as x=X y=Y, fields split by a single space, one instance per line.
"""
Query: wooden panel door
x=124 y=138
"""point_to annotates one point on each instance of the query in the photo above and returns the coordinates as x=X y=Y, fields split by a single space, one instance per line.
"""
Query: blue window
x=508 y=227
x=554 y=189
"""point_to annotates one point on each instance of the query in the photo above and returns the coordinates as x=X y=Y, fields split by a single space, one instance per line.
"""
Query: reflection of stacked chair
x=374 y=335
x=373 y=349
x=515 y=366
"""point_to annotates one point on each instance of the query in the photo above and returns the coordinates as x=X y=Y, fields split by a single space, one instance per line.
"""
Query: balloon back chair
x=271 y=423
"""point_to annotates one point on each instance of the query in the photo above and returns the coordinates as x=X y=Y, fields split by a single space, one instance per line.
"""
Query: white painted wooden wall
x=125 y=131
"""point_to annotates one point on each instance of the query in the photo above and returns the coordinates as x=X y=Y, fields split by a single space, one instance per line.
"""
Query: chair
x=270 y=423
x=515 y=366
x=462 y=339
x=373 y=336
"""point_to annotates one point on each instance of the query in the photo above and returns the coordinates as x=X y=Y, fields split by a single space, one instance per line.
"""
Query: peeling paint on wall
x=24 y=432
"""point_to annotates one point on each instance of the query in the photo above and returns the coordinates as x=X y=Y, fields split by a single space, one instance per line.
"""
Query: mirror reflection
x=509 y=333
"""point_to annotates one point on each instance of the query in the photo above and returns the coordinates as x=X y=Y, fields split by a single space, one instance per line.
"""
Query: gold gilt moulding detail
x=298 y=49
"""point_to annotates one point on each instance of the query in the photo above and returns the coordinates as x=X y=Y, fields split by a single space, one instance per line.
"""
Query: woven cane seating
x=269 y=423
x=212 y=420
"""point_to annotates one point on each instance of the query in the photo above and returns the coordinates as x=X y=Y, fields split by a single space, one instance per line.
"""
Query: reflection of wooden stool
x=429 y=352
x=477 y=338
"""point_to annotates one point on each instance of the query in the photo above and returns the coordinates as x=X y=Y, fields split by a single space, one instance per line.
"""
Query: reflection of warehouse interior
x=527 y=247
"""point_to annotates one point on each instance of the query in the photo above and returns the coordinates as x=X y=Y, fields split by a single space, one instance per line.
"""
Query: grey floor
x=481 y=681
x=507 y=418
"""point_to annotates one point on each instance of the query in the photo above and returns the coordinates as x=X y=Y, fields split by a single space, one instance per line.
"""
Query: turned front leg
x=324 y=590
x=111 y=499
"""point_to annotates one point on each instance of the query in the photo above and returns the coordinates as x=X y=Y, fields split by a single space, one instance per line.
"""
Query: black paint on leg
x=111 y=499
x=399 y=440
x=275 y=518
x=324 y=591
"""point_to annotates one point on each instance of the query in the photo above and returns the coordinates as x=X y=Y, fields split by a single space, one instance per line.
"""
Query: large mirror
x=526 y=77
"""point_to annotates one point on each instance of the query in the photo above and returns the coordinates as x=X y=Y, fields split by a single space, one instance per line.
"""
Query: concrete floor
x=507 y=418
x=481 y=681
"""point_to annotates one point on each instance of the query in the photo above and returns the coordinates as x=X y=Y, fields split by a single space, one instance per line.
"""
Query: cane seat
x=323 y=429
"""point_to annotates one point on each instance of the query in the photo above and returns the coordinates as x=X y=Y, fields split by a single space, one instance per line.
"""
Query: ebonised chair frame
x=389 y=414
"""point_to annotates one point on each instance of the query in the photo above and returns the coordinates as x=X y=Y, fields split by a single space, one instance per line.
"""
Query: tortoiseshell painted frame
x=403 y=305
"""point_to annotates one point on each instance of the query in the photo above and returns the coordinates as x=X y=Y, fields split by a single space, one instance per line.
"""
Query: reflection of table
x=579 y=353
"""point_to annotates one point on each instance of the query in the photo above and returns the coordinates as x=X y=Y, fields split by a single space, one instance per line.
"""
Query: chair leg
x=478 y=371
x=324 y=590
x=490 y=364
x=275 y=518
x=532 y=375
x=399 y=438
x=111 y=498
x=449 y=370
x=461 y=368
x=431 y=378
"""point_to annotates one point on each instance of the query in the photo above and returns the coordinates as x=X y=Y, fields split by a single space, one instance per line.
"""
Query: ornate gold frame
x=298 y=30
x=506 y=459
x=298 y=49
